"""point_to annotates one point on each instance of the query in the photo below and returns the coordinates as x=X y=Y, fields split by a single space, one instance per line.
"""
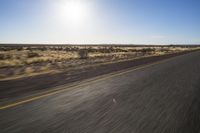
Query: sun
x=73 y=11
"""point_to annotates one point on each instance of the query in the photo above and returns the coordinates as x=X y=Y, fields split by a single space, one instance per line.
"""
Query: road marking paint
x=86 y=82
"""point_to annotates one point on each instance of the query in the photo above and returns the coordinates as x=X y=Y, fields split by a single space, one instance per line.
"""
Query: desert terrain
x=20 y=61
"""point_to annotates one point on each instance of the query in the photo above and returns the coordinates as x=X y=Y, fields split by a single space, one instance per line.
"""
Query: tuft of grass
x=29 y=70
x=3 y=76
x=45 y=68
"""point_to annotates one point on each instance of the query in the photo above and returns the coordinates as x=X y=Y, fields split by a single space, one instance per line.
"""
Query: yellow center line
x=100 y=78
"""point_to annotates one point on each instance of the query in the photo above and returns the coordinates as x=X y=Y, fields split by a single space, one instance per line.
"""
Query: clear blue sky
x=100 y=21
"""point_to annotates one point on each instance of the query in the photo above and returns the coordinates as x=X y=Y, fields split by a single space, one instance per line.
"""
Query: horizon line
x=98 y=44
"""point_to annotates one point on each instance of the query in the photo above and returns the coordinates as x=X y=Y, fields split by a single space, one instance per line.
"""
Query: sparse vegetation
x=19 y=60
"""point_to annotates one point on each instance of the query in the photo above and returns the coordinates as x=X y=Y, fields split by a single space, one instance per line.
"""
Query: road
x=159 y=98
x=44 y=82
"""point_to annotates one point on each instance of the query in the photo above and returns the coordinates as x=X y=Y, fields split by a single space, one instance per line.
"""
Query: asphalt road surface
x=159 y=98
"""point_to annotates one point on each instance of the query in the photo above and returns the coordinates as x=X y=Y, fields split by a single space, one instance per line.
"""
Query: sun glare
x=73 y=11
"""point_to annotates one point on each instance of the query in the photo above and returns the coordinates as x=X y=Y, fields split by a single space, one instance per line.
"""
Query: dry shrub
x=83 y=53
x=38 y=60
x=5 y=56
x=2 y=56
x=32 y=55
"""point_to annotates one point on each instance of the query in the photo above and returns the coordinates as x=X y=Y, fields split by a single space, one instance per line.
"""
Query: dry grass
x=27 y=60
